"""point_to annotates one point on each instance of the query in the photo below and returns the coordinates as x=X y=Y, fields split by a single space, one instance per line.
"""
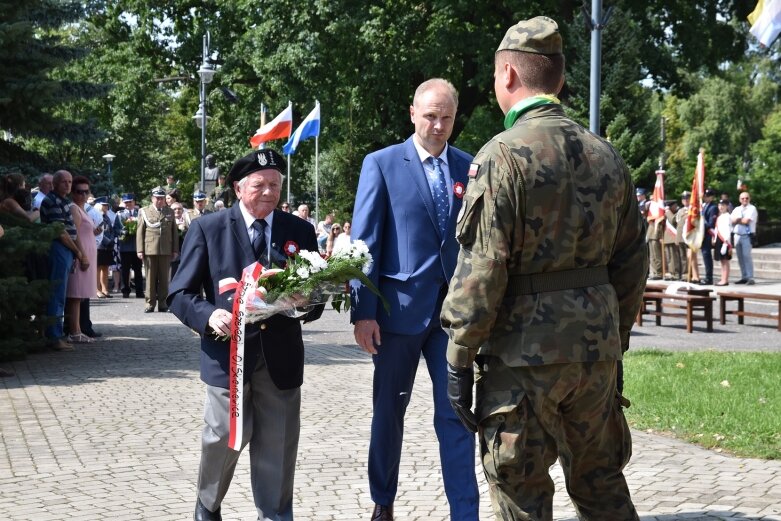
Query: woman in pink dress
x=83 y=280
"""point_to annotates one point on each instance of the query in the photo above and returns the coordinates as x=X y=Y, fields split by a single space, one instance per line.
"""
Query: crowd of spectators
x=726 y=228
x=96 y=254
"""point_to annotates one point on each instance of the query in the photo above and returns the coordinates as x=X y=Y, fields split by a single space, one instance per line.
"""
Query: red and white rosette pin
x=291 y=248
x=459 y=189
x=243 y=290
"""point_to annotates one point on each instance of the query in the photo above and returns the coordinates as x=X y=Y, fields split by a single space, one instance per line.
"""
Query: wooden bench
x=697 y=305
x=739 y=297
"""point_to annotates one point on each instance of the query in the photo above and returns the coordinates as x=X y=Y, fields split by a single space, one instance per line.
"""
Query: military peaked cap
x=539 y=35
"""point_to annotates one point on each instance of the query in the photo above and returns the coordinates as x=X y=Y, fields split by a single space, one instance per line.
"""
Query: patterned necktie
x=439 y=192
x=259 y=241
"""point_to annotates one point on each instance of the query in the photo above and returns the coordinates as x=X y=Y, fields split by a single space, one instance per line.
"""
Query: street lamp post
x=206 y=72
x=109 y=158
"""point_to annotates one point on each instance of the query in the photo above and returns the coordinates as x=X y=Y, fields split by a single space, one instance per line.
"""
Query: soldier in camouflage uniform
x=157 y=243
x=549 y=279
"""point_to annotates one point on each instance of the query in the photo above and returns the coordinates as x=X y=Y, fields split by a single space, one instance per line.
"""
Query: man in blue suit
x=710 y=212
x=405 y=210
x=218 y=246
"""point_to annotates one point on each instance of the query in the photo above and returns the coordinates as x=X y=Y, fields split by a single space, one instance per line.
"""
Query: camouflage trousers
x=530 y=416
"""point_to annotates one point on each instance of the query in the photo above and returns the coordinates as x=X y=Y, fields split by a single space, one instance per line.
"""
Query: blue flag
x=308 y=128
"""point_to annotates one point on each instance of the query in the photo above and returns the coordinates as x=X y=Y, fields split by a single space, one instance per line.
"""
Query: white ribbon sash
x=242 y=292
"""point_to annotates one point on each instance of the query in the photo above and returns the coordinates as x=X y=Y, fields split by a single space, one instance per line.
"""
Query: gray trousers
x=746 y=263
x=271 y=427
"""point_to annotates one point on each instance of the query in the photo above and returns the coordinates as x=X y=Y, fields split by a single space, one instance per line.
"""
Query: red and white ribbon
x=243 y=291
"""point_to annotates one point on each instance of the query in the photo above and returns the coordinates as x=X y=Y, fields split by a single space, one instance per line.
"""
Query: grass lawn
x=722 y=401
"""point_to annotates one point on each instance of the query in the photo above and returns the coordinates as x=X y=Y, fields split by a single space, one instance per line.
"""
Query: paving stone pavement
x=111 y=431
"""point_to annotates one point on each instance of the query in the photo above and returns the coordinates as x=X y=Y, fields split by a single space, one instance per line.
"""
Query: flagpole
x=288 y=180
x=317 y=176
x=263 y=111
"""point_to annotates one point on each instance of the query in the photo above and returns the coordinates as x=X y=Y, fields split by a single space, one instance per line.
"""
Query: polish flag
x=277 y=128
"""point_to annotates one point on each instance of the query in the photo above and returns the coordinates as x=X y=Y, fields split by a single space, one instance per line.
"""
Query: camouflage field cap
x=539 y=35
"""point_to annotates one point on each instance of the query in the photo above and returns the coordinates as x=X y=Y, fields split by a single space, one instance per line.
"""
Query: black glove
x=460 y=381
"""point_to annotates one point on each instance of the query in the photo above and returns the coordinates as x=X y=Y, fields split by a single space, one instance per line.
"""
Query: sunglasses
x=81 y=192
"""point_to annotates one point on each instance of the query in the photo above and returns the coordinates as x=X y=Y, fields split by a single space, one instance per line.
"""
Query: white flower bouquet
x=307 y=280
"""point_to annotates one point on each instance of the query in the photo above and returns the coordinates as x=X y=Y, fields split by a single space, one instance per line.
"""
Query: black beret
x=257 y=160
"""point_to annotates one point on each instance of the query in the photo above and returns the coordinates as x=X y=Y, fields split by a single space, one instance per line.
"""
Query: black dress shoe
x=382 y=513
x=140 y=295
x=163 y=310
x=203 y=514
x=742 y=281
x=706 y=282
x=125 y=295
x=149 y=309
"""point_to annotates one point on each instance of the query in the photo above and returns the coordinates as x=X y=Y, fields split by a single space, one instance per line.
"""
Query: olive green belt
x=557 y=280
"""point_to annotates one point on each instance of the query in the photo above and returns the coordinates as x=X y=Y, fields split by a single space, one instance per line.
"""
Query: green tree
x=362 y=61
x=21 y=299
x=724 y=116
x=33 y=49
x=627 y=113
x=764 y=180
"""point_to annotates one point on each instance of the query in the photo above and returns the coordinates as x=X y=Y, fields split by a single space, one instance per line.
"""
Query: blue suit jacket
x=215 y=247
x=394 y=214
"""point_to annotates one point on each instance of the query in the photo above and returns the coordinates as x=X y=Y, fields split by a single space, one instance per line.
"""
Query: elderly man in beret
x=549 y=279
x=157 y=244
x=221 y=245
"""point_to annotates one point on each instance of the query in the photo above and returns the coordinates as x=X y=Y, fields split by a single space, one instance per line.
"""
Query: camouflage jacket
x=547 y=196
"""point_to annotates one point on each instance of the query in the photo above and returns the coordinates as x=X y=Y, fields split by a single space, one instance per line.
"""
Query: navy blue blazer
x=215 y=247
x=395 y=215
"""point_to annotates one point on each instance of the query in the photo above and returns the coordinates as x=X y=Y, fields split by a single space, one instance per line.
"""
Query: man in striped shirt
x=55 y=208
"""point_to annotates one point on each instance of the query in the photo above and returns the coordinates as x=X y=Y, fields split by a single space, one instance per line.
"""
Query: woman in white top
x=722 y=250
x=343 y=239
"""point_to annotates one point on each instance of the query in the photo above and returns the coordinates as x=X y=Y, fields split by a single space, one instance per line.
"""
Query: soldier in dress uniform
x=550 y=276
x=127 y=249
x=654 y=234
x=680 y=241
x=671 y=250
x=157 y=244
x=218 y=193
x=199 y=207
